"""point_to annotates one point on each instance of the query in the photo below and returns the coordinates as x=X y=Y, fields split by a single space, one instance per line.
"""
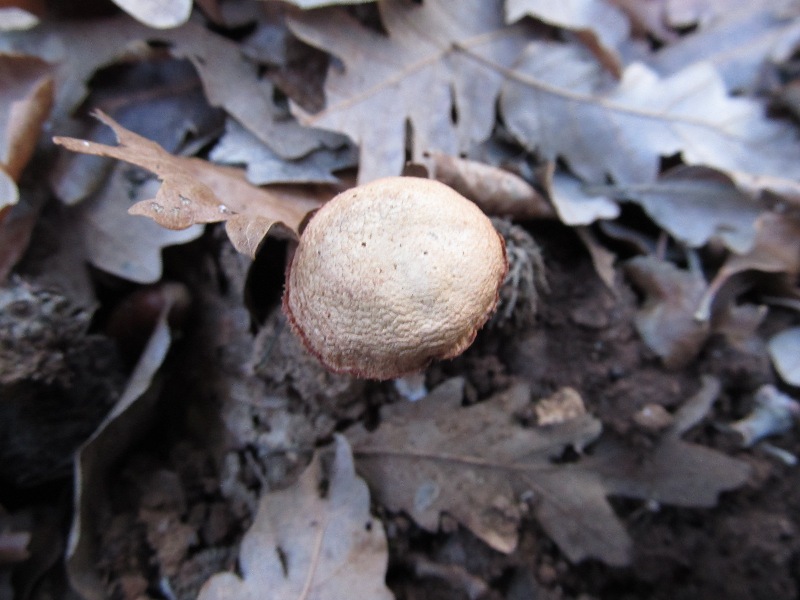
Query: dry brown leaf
x=476 y=463
x=776 y=250
x=312 y=545
x=160 y=14
x=739 y=45
x=196 y=191
x=674 y=471
x=431 y=63
x=114 y=242
x=666 y=320
x=26 y=96
x=498 y=192
x=598 y=23
x=602 y=258
x=552 y=103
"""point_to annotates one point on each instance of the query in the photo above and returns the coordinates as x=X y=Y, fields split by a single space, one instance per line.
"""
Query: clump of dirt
x=57 y=381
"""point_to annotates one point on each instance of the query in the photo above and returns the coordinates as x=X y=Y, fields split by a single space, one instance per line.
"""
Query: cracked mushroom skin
x=391 y=275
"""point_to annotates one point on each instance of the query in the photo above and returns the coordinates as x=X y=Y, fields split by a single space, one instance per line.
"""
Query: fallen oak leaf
x=695 y=204
x=666 y=320
x=674 y=472
x=476 y=463
x=418 y=74
x=624 y=131
x=740 y=43
x=196 y=191
x=311 y=544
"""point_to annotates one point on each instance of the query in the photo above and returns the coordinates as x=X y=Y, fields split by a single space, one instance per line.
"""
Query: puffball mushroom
x=393 y=274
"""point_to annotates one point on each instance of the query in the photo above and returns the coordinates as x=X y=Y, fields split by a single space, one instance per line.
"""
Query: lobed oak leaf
x=233 y=83
x=309 y=544
x=438 y=59
x=196 y=191
x=675 y=471
x=739 y=44
x=478 y=464
x=555 y=102
x=573 y=203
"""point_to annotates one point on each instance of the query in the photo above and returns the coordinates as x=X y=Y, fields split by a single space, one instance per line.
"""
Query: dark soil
x=243 y=407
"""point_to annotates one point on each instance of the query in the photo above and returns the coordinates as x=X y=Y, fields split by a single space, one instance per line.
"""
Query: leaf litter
x=479 y=466
x=664 y=168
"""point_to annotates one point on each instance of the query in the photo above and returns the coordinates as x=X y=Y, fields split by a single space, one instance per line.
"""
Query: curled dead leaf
x=26 y=96
x=496 y=191
x=196 y=191
x=666 y=319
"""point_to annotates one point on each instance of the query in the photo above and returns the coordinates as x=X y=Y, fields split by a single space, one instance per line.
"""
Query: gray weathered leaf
x=438 y=59
x=574 y=204
x=695 y=204
x=674 y=472
x=476 y=463
x=739 y=45
x=601 y=24
x=310 y=545
x=553 y=103
x=240 y=147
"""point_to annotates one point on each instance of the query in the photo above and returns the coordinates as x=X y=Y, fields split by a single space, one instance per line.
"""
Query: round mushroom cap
x=391 y=275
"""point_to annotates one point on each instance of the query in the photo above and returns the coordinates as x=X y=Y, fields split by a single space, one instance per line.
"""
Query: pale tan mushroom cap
x=393 y=274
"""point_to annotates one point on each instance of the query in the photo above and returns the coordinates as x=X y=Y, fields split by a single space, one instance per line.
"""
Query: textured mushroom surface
x=393 y=274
